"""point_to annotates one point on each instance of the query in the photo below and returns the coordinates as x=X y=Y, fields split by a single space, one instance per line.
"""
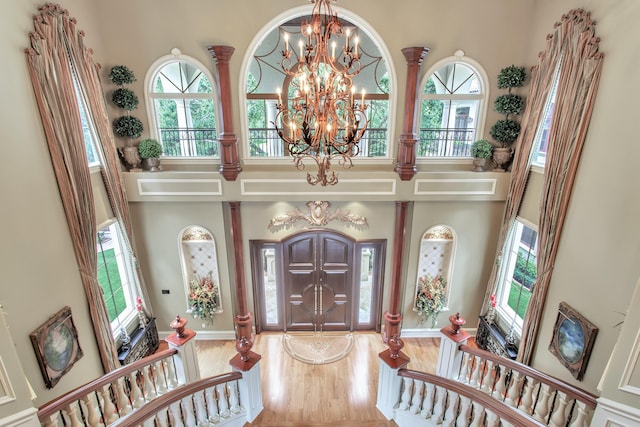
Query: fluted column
x=406 y=163
x=245 y=359
x=392 y=318
x=229 y=158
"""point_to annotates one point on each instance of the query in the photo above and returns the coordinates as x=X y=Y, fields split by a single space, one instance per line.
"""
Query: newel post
x=406 y=163
x=452 y=337
x=229 y=158
x=186 y=361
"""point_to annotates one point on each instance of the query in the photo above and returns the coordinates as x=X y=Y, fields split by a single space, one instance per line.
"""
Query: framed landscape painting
x=56 y=346
x=572 y=341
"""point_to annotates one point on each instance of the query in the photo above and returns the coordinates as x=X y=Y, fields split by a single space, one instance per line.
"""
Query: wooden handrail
x=137 y=417
x=504 y=411
x=65 y=400
x=571 y=391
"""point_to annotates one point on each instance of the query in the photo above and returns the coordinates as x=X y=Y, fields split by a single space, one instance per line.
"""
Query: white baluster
x=498 y=388
x=93 y=412
x=464 y=369
x=52 y=421
x=151 y=422
x=212 y=404
x=478 y=415
x=172 y=380
x=73 y=415
x=175 y=414
x=487 y=381
x=234 y=402
x=147 y=384
x=163 y=419
x=427 y=402
x=438 y=407
x=416 y=398
x=137 y=400
x=513 y=395
x=580 y=418
x=405 y=397
x=223 y=402
x=526 y=403
x=452 y=410
x=542 y=406
x=492 y=419
x=124 y=406
x=201 y=410
x=559 y=418
x=108 y=408
x=465 y=412
x=161 y=383
x=475 y=373
x=188 y=411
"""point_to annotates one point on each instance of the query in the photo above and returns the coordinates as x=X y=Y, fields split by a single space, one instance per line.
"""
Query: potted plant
x=481 y=150
x=128 y=126
x=150 y=150
x=505 y=131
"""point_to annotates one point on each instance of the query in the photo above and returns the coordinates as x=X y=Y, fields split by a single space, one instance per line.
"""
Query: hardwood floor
x=338 y=394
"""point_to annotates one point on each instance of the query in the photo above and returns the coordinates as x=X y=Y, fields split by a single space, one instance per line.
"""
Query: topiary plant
x=128 y=127
x=481 y=149
x=125 y=99
x=506 y=131
x=150 y=148
x=509 y=103
x=121 y=75
x=511 y=76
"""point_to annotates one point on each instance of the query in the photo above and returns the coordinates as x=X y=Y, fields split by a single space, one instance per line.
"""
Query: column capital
x=222 y=54
x=415 y=55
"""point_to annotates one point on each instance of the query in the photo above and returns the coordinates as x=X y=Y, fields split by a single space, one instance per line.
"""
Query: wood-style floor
x=338 y=394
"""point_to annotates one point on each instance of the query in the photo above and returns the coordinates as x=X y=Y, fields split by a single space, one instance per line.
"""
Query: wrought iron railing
x=445 y=142
x=185 y=142
x=265 y=142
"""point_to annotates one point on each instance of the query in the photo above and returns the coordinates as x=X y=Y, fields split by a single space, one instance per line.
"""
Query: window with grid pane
x=183 y=109
x=451 y=109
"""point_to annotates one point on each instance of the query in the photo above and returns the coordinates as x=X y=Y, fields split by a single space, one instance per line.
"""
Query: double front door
x=317 y=280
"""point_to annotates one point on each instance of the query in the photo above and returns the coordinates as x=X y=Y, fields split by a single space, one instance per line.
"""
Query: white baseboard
x=610 y=413
x=26 y=418
x=429 y=333
x=205 y=335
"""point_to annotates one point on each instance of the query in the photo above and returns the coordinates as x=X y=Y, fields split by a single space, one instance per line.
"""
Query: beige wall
x=39 y=270
x=597 y=264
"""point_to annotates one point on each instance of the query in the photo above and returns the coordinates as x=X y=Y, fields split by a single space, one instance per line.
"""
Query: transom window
x=181 y=107
x=517 y=276
x=452 y=112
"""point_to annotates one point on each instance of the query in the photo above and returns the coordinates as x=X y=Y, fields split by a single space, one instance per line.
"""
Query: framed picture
x=572 y=340
x=56 y=346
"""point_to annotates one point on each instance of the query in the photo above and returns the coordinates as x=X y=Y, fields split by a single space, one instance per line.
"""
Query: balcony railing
x=185 y=142
x=445 y=142
x=265 y=142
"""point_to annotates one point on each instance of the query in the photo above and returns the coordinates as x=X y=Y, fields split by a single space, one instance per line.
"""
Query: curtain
x=51 y=74
x=579 y=75
x=88 y=78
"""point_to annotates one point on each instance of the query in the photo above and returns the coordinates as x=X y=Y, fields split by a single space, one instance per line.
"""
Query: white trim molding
x=25 y=418
x=429 y=333
x=205 y=335
x=631 y=369
x=614 y=414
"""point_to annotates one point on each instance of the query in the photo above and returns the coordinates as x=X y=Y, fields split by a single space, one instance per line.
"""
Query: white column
x=449 y=356
x=187 y=368
x=389 y=384
x=250 y=390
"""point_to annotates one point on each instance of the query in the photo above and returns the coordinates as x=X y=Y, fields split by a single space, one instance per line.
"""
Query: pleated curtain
x=571 y=56
x=57 y=55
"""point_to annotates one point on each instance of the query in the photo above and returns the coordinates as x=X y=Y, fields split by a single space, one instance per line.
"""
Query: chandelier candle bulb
x=301 y=45
x=333 y=50
x=346 y=43
x=286 y=43
x=355 y=52
x=363 y=92
x=279 y=95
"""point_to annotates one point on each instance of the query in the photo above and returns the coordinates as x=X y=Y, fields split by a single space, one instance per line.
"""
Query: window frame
x=506 y=315
x=150 y=96
x=482 y=98
x=128 y=319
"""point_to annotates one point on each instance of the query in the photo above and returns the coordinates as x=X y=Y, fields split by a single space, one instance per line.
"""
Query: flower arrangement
x=431 y=296
x=204 y=299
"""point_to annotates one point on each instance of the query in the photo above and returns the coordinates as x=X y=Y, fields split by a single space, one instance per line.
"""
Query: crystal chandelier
x=322 y=121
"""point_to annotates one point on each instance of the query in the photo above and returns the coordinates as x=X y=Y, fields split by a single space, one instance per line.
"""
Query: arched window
x=199 y=262
x=452 y=110
x=264 y=76
x=181 y=104
x=437 y=248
